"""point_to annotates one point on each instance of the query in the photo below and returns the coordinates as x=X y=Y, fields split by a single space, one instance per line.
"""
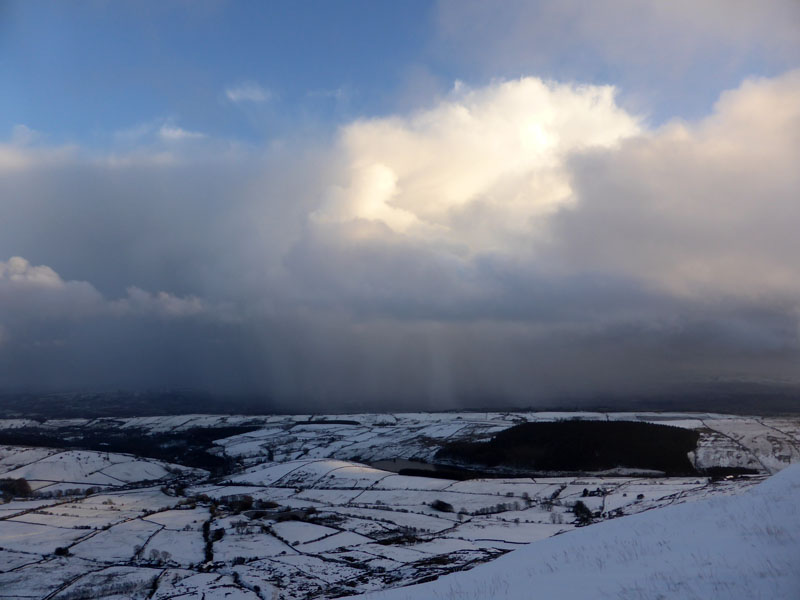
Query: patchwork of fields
x=298 y=512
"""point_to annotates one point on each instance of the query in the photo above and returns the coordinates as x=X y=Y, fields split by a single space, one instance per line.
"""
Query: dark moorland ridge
x=188 y=448
x=576 y=445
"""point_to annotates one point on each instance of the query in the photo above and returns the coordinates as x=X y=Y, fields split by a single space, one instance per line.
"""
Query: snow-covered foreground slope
x=745 y=546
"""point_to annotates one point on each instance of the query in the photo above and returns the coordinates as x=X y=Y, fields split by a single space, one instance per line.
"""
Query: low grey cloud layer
x=518 y=241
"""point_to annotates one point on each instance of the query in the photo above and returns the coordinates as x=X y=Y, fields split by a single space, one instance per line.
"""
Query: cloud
x=668 y=251
x=248 y=91
x=173 y=133
x=22 y=152
x=22 y=135
x=669 y=56
x=625 y=31
x=521 y=240
x=148 y=134
x=702 y=209
x=12 y=158
x=20 y=271
x=162 y=304
x=37 y=292
x=500 y=148
x=28 y=291
x=56 y=333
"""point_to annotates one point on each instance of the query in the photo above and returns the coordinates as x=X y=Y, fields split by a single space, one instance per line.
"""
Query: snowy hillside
x=745 y=546
x=50 y=470
x=295 y=507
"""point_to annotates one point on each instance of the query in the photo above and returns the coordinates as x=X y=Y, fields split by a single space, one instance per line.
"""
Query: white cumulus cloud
x=498 y=151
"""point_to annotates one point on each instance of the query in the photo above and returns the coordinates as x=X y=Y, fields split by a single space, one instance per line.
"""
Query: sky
x=397 y=204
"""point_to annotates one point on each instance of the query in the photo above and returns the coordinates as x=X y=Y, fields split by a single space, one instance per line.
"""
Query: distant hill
x=728 y=397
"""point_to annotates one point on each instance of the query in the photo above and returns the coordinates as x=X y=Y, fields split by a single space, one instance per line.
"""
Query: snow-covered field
x=300 y=513
x=47 y=469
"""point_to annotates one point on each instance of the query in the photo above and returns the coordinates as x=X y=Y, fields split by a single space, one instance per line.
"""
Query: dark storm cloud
x=556 y=265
